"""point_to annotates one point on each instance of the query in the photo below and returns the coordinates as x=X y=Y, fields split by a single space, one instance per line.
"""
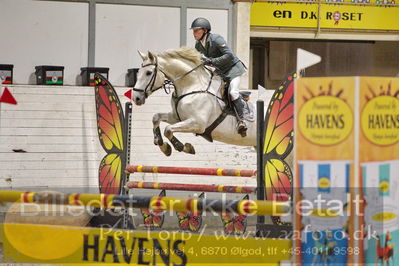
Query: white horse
x=195 y=101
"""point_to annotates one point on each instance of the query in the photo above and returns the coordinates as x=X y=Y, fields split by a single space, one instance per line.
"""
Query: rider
x=216 y=53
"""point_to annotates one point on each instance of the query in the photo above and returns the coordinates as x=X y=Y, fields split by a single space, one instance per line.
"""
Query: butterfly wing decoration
x=190 y=221
x=234 y=224
x=279 y=133
x=153 y=219
x=110 y=125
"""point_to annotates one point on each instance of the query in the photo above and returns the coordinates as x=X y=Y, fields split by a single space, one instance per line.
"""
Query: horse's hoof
x=166 y=149
x=188 y=148
x=242 y=132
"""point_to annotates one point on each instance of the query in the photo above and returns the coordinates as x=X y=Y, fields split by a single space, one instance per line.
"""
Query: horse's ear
x=142 y=55
x=151 y=56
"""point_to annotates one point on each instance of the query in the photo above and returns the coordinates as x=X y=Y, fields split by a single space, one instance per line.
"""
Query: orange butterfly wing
x=190 y=221
x=153 y=219
x=110 y=125
x=279 y=133
x=234 y=224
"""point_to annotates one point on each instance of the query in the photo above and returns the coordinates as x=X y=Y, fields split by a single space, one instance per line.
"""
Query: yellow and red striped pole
x=246 y=207
x=190 y=170
x=191 y=187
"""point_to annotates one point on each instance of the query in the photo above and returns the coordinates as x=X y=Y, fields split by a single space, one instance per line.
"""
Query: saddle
x=244 y=95
x=249 y=108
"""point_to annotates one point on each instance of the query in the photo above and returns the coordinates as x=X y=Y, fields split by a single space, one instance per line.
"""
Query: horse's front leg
x=156 y=120
x=189 y=125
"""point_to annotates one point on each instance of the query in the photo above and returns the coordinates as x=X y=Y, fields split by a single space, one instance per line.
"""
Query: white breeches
x=234 y=88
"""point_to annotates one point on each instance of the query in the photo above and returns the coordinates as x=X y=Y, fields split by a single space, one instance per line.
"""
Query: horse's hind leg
x=189 y=125
x=156 y=119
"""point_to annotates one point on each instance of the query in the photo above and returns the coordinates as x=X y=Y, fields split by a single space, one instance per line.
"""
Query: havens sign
x=69 y=245
x=380 y=120
x=325 y=120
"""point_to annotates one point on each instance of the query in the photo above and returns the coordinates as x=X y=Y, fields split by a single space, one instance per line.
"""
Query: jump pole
x=191 y=187
x=245 y=207
x=189 y=170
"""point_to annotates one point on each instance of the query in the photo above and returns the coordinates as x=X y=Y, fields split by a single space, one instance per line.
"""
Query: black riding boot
x=241 y=125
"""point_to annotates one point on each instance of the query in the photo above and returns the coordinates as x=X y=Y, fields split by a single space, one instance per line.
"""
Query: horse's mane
x=191 y=55
x=188 y=53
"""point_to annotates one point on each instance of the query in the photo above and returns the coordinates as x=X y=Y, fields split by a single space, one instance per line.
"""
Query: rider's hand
x=206 y=60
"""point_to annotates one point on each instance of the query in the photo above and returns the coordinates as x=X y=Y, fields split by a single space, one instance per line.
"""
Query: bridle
x=167 y=82
x=150 y=86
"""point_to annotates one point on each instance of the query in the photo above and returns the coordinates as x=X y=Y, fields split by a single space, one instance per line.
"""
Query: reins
x=185 y=74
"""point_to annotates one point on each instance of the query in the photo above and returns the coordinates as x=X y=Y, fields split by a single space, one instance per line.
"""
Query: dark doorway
x=273 y=60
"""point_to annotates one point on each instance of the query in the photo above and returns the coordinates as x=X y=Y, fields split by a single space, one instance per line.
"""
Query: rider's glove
x=207 y=61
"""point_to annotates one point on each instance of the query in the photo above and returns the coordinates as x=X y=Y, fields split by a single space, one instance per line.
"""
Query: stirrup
x=242 y=128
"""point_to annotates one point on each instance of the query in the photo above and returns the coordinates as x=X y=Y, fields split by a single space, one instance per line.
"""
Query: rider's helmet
x=201 y=23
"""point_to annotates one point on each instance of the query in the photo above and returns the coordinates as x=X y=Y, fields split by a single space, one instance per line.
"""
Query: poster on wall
x=325 y=15
x=379 y=167
x=324 y=163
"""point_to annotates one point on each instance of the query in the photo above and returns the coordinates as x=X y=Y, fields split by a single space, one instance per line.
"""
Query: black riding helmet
x=201 y=23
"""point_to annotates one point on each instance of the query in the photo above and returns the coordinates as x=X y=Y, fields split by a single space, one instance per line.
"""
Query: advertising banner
x=331 y=15
x=69 y=245
x=324 y=144
x=379 y=162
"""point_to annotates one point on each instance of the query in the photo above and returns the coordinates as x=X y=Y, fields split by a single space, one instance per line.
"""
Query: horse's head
x=149 y=78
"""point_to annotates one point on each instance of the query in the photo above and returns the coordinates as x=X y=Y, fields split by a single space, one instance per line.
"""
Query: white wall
x=43 y=33
x=121 y=30
x=56 y=33
x=242 y=39
x=217 y=18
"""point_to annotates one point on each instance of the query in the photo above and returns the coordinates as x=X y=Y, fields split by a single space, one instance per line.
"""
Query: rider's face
x=198 y=33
